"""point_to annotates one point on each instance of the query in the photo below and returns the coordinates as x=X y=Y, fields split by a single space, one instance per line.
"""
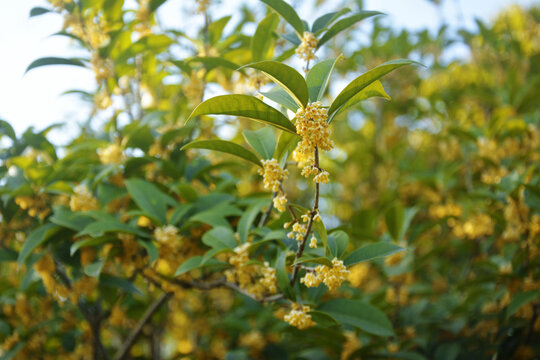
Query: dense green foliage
x=155 y=235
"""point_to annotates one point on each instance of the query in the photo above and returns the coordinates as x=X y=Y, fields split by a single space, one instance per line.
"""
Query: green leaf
x=189 y=265
x=372 y=251
x=211 y=62
x=72 y=220
x=281 y=97
x=7 y=129
x=288 y=13
x=215 y=29
x=345 y=24
x=99 y=228
x=224 y=146
x=282 y=276
x=36 y=11
x=337 y=243
x=318 y=78
x=246 y=106
x=93 y=269
x=116 y=283
x=286 y=144
x=359 y=314
x=53 y=61
x=36 y=238
x=150 y=199
x=262 y=140
x=316 y=260
x=220 y=238
x=285 y=76
x=323 y=21
x=262 y=39
x=322 y=318
x=247 y=218
x=375 y=89
x=151 y=249
x=87 y=242
x=364 y=80
x=154 y=4
x=398 y=220
x=519 y=300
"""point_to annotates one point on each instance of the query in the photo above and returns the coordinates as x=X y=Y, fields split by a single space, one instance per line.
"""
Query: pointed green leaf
x=150 y=199
x=372 y=251
x=246 y=106
x=247 y=218
x=262 y=140
x=226 y=147
x=36 y=11
x=36 y=238
x=519 y=300
x=215 y=29
x=99 y=228
x=151 y=249
x=364 y=80
x=262 y=39
x=398 y=220
x=318 y=77
x=285 y=76
x=7 y=129
x=281 y=97
x=323 y=21
x=286 y=144
x=93 y=269
x=189 y=265
x=282 y=275
x=53 y=61
x=315 y=260
x=375 y=89
x=211 y=62
x=344 y=24
x=359 y=314
x=220 y=238
x=337 y=243
x=288 y=13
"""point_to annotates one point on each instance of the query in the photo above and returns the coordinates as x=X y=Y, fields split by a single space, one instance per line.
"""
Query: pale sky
x=34 y=99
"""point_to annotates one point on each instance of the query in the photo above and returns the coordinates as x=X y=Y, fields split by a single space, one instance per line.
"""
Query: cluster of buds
x=330 y=276
x=82 y=199
x=167 y=235
x=299 y=317
x=273 y=176
x=112 y=154
x=311 y=125
x=306 y=50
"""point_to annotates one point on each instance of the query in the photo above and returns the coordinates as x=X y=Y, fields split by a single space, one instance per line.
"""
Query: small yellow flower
x=299 y=317
x=313 y=242
x=112 y=154
x=82 y=200
x=306 y=50
x=273 y=174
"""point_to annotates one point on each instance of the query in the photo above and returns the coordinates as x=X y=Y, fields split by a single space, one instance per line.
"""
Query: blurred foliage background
x=447 y=169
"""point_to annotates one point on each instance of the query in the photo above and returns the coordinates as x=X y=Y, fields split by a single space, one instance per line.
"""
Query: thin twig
x=130 y=341
x=267 y=213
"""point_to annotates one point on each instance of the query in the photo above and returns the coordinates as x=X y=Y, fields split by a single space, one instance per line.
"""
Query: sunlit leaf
x=288 y=13
x=224 y=146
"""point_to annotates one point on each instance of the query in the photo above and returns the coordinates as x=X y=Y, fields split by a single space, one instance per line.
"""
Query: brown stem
x=267 y=213
x=130 y=341
x=312 y=214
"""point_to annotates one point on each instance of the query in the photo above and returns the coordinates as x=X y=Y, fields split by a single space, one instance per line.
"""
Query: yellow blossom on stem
x=330 y=276
x=82 y=199
x=306 y=50
x=299 y=317
x=272 y=174
x=112 y=154
x=167 y=235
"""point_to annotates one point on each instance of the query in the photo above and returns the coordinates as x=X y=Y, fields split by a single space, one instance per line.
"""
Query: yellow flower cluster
x=445 y=210
x=46 y=268
x=103 y=68
x=330 y=276
x=36 y=206
x=299 y=317
x=298 y=232
x=82 y=199
x=306 y=50
x=202 y=6
x=478 y=226
x=312 y=127
x=255 y=279
x=112 y=154
x=167 y=235
x=273 y=176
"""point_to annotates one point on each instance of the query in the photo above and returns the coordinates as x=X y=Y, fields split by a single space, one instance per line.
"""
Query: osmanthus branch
x=312 y=214
x=134 y=334
x=185 y=284
x=268 y=211
x=94 y=318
